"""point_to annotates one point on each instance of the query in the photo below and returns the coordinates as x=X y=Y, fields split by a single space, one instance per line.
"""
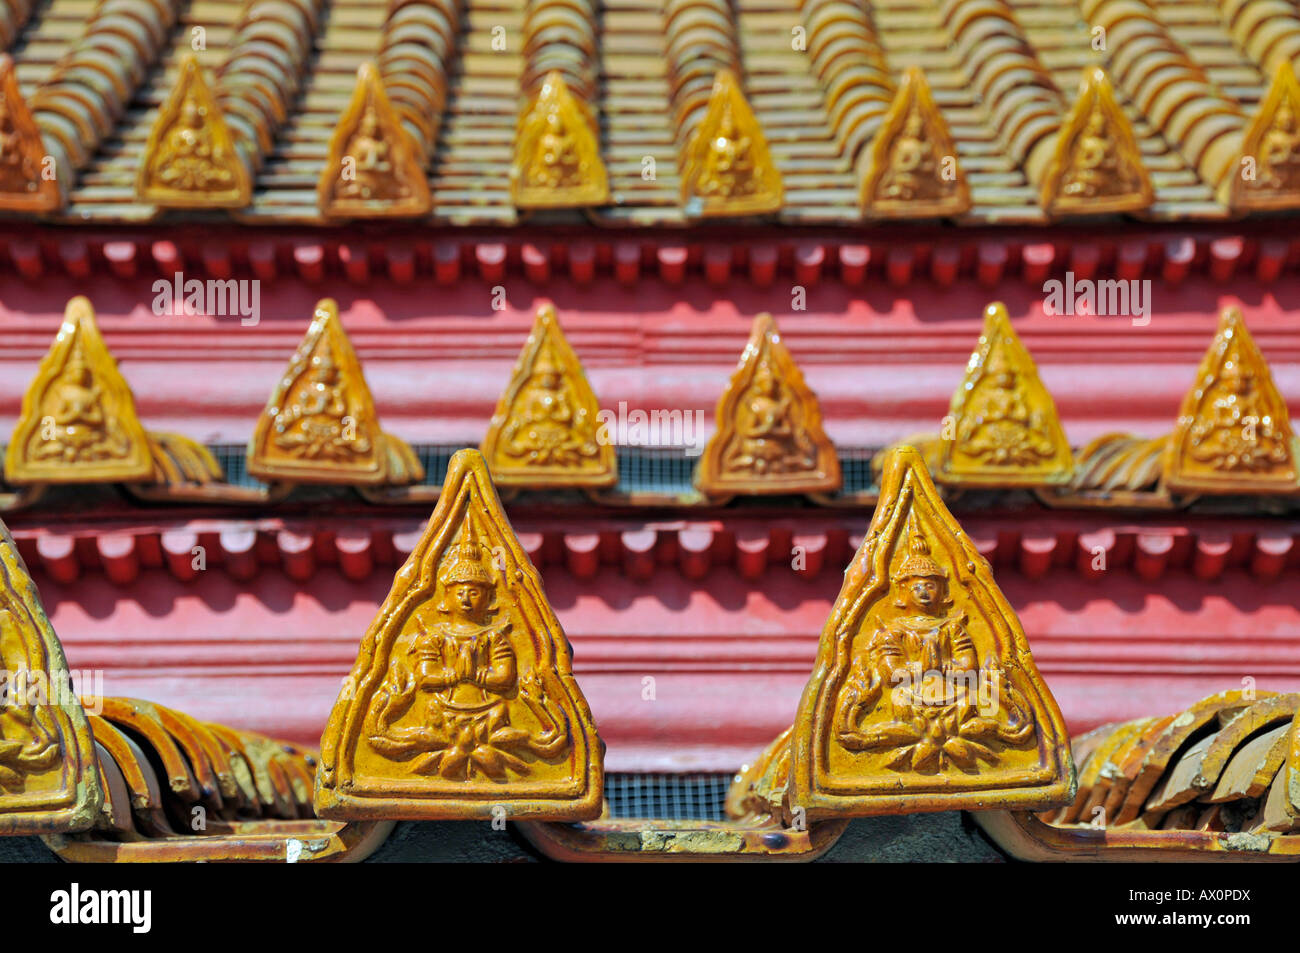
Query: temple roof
x=819 y=77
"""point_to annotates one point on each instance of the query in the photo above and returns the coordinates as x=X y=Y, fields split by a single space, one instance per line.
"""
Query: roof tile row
x=818 y=78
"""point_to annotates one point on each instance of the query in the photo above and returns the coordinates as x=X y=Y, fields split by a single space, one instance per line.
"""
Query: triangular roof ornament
x=27 y=176
x=769 y=437
x=320 y=425
x=912 y=169
x=191 y=160
x=1097 y=165
x=1267 y=175
x=728 y=169
x=544 y=431
x=1233 y=433
x=1002 y=427
x=557 y=154
x=924 y=695
x=462 y=702
x=49 y=782
x=78 y=422
x=373 y=168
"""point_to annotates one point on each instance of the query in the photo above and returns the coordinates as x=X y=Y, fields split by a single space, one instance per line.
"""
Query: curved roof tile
x=818 y=74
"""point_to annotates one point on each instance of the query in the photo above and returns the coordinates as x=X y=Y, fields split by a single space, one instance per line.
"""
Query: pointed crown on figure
x=77 y=367
x=463 y=562
x=765 y=378
x=323 y=360
x=545 y=363
x=918 y=564
x=999 y=364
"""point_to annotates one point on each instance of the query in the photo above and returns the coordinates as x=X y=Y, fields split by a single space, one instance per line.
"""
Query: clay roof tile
x=1001 y=72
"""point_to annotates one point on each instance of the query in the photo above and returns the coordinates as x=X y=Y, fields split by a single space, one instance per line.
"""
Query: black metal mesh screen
x=232 y=459
x=654 y=470
x=694 y=797
x=855 y=464
x=666 y=470
x=435 y=457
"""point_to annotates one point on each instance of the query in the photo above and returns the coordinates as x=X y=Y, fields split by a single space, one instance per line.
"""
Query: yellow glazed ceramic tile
x=1003 y=429
x=373 y=169
x=78 y=422
x=1175 y=737
x=769 y=437
x=320 y=425
x=1097 y=167
x=28 y=180
x=1212 y=781
x=925 y=696
x=545 y=432
x=1267 y=176
x=728 y=169
x=462 y=703
x=913 y=170
x=1233 y=433
x=48 y=776
x=557 y=155
x=190 y=160
x=253 y=796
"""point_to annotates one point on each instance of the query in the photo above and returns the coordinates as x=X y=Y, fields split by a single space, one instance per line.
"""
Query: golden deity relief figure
x=190 y=160
x=768 y=442
x=462 y=699
x=1267 y=174
x=78 y=422
x=26 y=184
x=463 y=670
x=320 y=425
x=1003 y=428
x=924 y=693
x=373 y=168
x=769 y=436
x=728 y=168
x=545 y=432
x=557 y=155
x=1233 y=433
x=78 y=431
x=316 y=421
x=1097 y=166
x=912 y=169
x=48 y=779
x=942 y=706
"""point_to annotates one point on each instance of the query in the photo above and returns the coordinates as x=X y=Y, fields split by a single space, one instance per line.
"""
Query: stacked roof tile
x=819 y=76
